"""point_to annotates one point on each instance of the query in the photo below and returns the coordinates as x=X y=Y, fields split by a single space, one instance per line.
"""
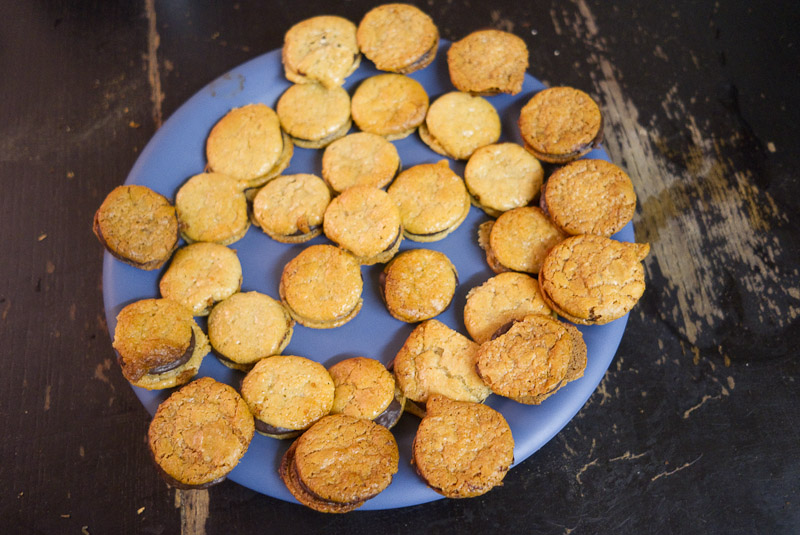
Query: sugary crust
x=364 y=387
x=460 y=123
x=212 y=207
x=462 y=449
x=314 y=115
x=321 y=49
x=419 y=284
x=288 y=391
x=590 y=197
x=502 y=176
x=321 y=286
x=290 y=208
x=500 y=300
x=152 y=333
x=488 y=62
x=390 y=105
x=246 y=144
x=344 y=459
x=200 y=432
x=593 y=279
x=249 y=326
x=398 y=38
x=432 y=199
x=560 y=124
x=365 y=221
x=521 y=238
x=360 y=159
x=200 y=275
x=529 y=362
x=138 y=226
x=438 y=360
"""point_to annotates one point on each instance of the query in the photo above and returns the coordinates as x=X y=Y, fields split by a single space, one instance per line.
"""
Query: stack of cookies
x=547 y=239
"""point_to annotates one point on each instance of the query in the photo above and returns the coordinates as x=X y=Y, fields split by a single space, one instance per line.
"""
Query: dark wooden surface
x=694 y=428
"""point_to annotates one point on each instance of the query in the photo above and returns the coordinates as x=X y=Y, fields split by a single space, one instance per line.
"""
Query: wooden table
x=694 y=428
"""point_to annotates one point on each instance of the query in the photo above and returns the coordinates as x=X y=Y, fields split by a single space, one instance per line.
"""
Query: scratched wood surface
x=694 y=428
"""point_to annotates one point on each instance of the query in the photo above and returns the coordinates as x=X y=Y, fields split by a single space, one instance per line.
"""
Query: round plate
x=177 y=152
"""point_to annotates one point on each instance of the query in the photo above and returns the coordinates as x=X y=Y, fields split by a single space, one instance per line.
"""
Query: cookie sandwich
x=321 y=49
x=390 y=105
x=458 y=123
x=314 y=115
x=398 y=38
x=366 y=389
x=488 y=62
x=290 y=208
x=212 y=207
x=418 y=284
x=360 y=159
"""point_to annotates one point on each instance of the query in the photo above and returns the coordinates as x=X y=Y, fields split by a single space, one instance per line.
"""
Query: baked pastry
x=488 y=62
x=200 y=275
x=314 y=115
x=290 y=208
x=561 y=124
x=366 y=222
x=212 y=207
x=199 y=434
x=321 y=49
x=138 y=226
x=501 y=177
x=360 y=159
x=529 y=361
x=504 y=298
x=321 y=287
x=398 y=38
x=435 y=359
x=247 y=327
x=390 y=105
x=593 y=280
x=366 y=389
x=418 y=284
x=247 y=144
x=340 y=463
x=287 y=394
x=432 y=199
x=519 y=240
x=458 y=123
x=589 y=197
x=462 y=449
x=158 y=344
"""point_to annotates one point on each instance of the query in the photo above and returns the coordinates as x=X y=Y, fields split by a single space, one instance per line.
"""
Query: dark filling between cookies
x=391 y=415
x=317 y=497
x=581 y=150
x=504 y=329
x=183 y=359
x=267 y=429
x=153 y=264
x=422 y=61
x=300 y=233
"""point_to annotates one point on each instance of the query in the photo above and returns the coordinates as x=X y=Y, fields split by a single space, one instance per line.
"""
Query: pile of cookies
x=552 y=258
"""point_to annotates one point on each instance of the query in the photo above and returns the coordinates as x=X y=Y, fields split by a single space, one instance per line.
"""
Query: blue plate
x=177 y=152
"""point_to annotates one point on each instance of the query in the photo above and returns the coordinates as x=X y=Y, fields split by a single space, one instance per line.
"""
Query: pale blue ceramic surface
x=176 y=152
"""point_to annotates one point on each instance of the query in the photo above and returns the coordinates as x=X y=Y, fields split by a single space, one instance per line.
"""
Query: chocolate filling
x=267 y=429
x=391 y=415
x=298 y=233
x=180 y=361
x=422 y=61
x=504 y=329
x=317 y=497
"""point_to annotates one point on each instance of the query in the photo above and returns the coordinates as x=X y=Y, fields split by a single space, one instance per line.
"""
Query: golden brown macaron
x=418 y=284
x=462 y=449
x=321 y=287
x=200 y=275
x=290 y=208
x=398 y=38
x=561 y=124
x=340 y=463
x=199 y=434
x=247 y=144
x=458 y=123
x=287 y=394
x=360 y=159
x=435 y=359
x=247 y=327
x=158 y=344
x=390 y=105
x=364 y=221
x=488 y=62
x=504 y=298
x=138 y=226
x=314 y=115
x=366 y=389
x=501 y=177
x=320 y=49
x=519 y=240
x=593 y=280
x=529 y=362
x=589 y=197
x=432 y=199
x=212 y=207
